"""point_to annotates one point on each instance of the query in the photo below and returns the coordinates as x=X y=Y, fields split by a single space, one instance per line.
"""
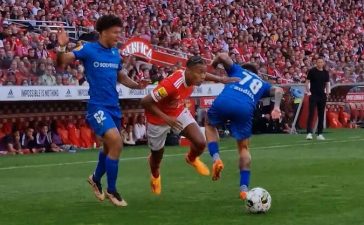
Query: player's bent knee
x=157 y=152
x=114 y=144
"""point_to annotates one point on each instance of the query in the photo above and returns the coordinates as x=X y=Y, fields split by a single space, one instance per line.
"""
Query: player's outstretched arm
x=125 y=80
x=149 y=104
x=277 y=93
x=221 y=79
x=224 y=59
x=63 y=58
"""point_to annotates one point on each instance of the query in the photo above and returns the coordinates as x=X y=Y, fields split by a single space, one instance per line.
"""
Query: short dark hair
x=107 y=21
x=14 y=129
x=194 y=60
x=250 y=67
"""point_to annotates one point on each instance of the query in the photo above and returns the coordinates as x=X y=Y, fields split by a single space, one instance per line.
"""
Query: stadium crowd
x=284 y=38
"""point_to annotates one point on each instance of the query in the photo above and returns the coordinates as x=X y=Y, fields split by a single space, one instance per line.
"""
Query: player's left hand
x=143 y=83
x=276 y=114
x=62 y=37
x=226 y=80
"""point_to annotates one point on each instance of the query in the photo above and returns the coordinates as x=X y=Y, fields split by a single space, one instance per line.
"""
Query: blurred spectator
x=127 y=134
x=55 y=138
x=73 y=78
x=59 y=80
x=44 y=142
x=10 y=144
x=48 y=78
x=3 y=78
x=28 y=141
x=41 y=52
x=31 y=54
x=7 y=60
x=140 y=130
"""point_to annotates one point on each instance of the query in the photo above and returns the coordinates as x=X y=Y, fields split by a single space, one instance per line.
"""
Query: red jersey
x=170 y=95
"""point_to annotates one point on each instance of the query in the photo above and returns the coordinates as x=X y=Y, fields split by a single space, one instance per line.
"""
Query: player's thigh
x=215 y=116
x=194 y=134
x=241 y=128
x=157 y=135
x=191 y=129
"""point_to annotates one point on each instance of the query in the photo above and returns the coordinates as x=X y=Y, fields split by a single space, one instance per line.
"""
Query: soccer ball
x=258 y=200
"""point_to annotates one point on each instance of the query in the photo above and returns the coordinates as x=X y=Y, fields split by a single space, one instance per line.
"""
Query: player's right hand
x=62 y=37
x=276 y=113
x=308 y=93
x=174 y=123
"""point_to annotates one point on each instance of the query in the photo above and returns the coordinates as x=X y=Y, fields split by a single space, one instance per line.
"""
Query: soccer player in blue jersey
x=237 y=103
x=103 y=69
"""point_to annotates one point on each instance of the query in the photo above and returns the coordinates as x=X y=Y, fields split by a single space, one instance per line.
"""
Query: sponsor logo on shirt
x=105 y=65
x=244 y=91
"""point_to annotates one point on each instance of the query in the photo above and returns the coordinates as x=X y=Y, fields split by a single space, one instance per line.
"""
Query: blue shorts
x=239 y=115
x=102 y=118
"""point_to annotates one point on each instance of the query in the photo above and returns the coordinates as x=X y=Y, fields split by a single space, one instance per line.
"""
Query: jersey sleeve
x=81 y=52
x=163 y=90
x=235 y=70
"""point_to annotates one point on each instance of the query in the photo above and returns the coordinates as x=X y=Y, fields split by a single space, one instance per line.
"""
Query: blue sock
x=244 y=180
x=100 y=168
x=214 y=150
x=112 y=167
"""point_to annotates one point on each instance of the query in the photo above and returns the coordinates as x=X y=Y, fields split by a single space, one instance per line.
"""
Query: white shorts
x=157 y=134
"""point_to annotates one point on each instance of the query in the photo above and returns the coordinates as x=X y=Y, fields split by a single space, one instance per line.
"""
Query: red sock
x=154 y=168
x=192 y=156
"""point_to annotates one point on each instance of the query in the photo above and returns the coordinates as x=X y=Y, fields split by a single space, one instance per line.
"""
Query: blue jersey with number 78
x=249 y=90
x=237 y=102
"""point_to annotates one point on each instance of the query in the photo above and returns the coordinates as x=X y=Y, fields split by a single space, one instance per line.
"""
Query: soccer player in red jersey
x=165 y=110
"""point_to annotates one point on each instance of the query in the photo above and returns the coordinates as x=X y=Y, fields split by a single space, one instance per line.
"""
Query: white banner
x=34 y=93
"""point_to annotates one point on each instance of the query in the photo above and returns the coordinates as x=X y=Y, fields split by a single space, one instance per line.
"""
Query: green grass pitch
x=311 y=182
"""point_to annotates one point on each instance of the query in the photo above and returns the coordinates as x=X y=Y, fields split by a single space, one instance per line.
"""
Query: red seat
x=74 y=134
x=86 y=136
x=63 y=132
x=333 y=120
x=344 y=118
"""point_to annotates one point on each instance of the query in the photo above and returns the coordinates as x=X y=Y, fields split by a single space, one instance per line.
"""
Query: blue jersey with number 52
x=249 y=90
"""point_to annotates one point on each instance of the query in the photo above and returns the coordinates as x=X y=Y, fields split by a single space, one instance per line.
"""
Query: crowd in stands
x=283 y=37
x=62 y=135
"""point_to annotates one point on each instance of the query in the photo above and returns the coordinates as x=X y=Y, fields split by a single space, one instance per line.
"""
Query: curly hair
x=107 y=21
